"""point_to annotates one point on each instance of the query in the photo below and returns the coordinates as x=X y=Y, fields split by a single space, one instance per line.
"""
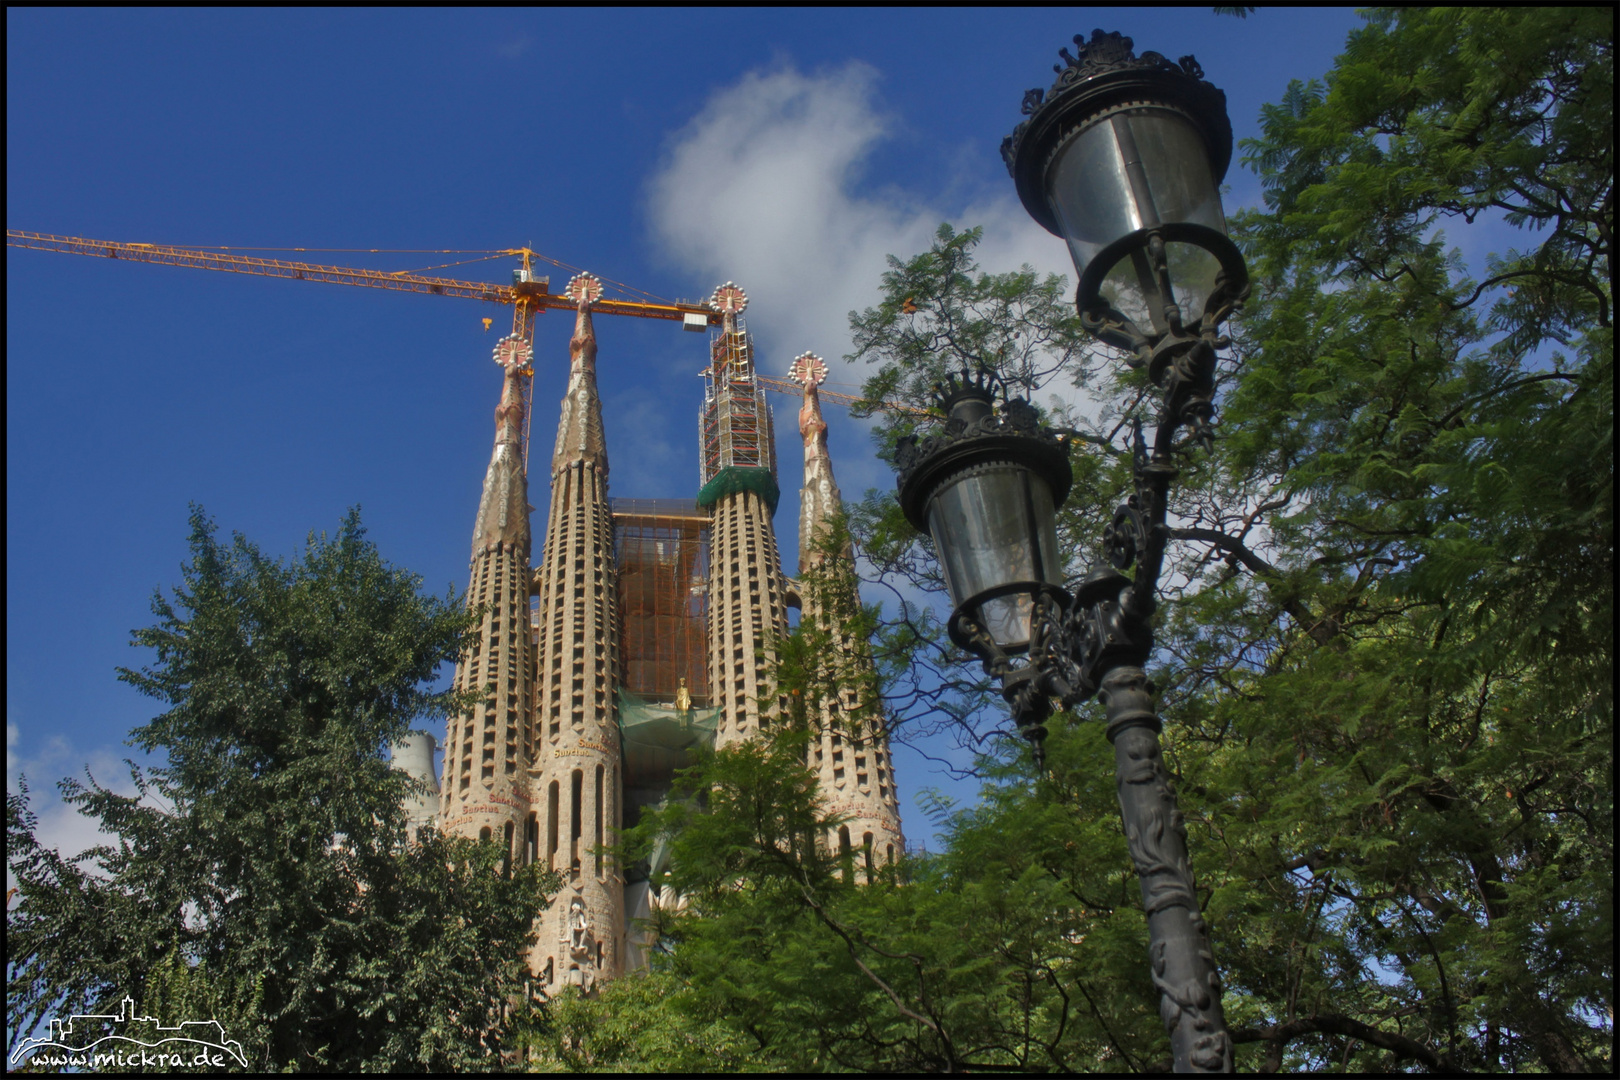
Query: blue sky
x=788 y=150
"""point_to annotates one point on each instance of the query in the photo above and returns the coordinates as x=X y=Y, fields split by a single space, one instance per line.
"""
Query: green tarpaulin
x=658 y=738
x=731 y=480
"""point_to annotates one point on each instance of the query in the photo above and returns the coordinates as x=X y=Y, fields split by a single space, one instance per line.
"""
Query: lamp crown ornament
x=1105 y=73
x=973 y=393
x=1112 y=51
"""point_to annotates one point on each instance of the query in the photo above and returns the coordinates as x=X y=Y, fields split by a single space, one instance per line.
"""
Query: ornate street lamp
x=1123 y=158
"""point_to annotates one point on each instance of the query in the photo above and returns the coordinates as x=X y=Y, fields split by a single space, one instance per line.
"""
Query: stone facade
x=539 y=762
x=485 y=786
x=576 y=768
x=851 y=758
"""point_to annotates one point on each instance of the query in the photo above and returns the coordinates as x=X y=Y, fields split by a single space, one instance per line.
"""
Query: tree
x=643 y=1022
x=263 y=874
x=1388 y=657
x=1432 y=613
x=1386 y=653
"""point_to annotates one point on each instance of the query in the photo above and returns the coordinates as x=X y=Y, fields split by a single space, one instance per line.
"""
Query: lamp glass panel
x=995 y=525
x=1130 y=171
x=1132 y=290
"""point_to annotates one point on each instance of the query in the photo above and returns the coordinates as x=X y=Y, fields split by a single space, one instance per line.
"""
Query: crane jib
x=534 y=291
x=528 y=295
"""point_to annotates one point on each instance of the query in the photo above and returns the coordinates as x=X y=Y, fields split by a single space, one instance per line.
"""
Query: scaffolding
x=662 y=549
x=736 y=431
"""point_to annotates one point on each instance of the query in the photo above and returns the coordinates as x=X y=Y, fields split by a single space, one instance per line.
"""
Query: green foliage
x=643 y=1022
x=1387 y=653
x=825 y=667
x=1019 y=948
x=263 y=874
x=939 y=314
x=1407 y=712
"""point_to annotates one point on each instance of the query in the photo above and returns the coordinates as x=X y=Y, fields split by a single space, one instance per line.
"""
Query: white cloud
x=763 y=187
x=61 y=826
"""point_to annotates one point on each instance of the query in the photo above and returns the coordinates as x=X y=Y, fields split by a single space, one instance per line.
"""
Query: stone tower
x=851 y=752
x=485 y=790
x=747 y=592
x=413 y=755
x=636 y=653
x=576 y=774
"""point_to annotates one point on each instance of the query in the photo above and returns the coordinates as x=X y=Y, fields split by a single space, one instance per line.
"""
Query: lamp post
x=1123 y=158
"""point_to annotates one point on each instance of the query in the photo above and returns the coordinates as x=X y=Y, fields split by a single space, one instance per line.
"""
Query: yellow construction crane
x=529 y=294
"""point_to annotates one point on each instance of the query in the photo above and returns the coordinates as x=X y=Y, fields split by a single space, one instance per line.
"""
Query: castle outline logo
x=97 y=1040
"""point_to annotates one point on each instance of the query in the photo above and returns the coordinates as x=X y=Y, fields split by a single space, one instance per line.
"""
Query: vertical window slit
x=576 y=825
x=551 y=827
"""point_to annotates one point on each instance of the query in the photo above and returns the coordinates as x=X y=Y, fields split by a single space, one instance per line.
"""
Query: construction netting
x=662 y=549
x=730 y=481
x=659 y=737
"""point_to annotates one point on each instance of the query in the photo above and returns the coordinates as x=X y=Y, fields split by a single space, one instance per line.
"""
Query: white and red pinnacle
x=808 y=370
x=513 y=350
x=729 y=299
x=584 y=288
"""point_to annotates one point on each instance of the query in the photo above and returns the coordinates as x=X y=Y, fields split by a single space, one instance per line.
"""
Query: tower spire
x=576 y=778
x=488 y=747
x=851 y=753
x=819 y=499
x=503 y=510
x=747 y=592
x=579 y=431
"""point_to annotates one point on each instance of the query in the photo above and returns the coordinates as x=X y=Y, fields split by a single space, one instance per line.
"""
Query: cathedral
x=640 y=630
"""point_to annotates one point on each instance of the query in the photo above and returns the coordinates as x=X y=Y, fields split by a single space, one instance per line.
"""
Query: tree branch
x=1475 y=400
x=1233 y=546
x=1333 y=1024
x=1321 y=630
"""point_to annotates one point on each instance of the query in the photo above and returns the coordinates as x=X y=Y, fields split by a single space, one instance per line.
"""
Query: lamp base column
x=1178 y=941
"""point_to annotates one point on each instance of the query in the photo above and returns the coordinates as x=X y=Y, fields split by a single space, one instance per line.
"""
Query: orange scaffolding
x=736 y=428
x=662 y=550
